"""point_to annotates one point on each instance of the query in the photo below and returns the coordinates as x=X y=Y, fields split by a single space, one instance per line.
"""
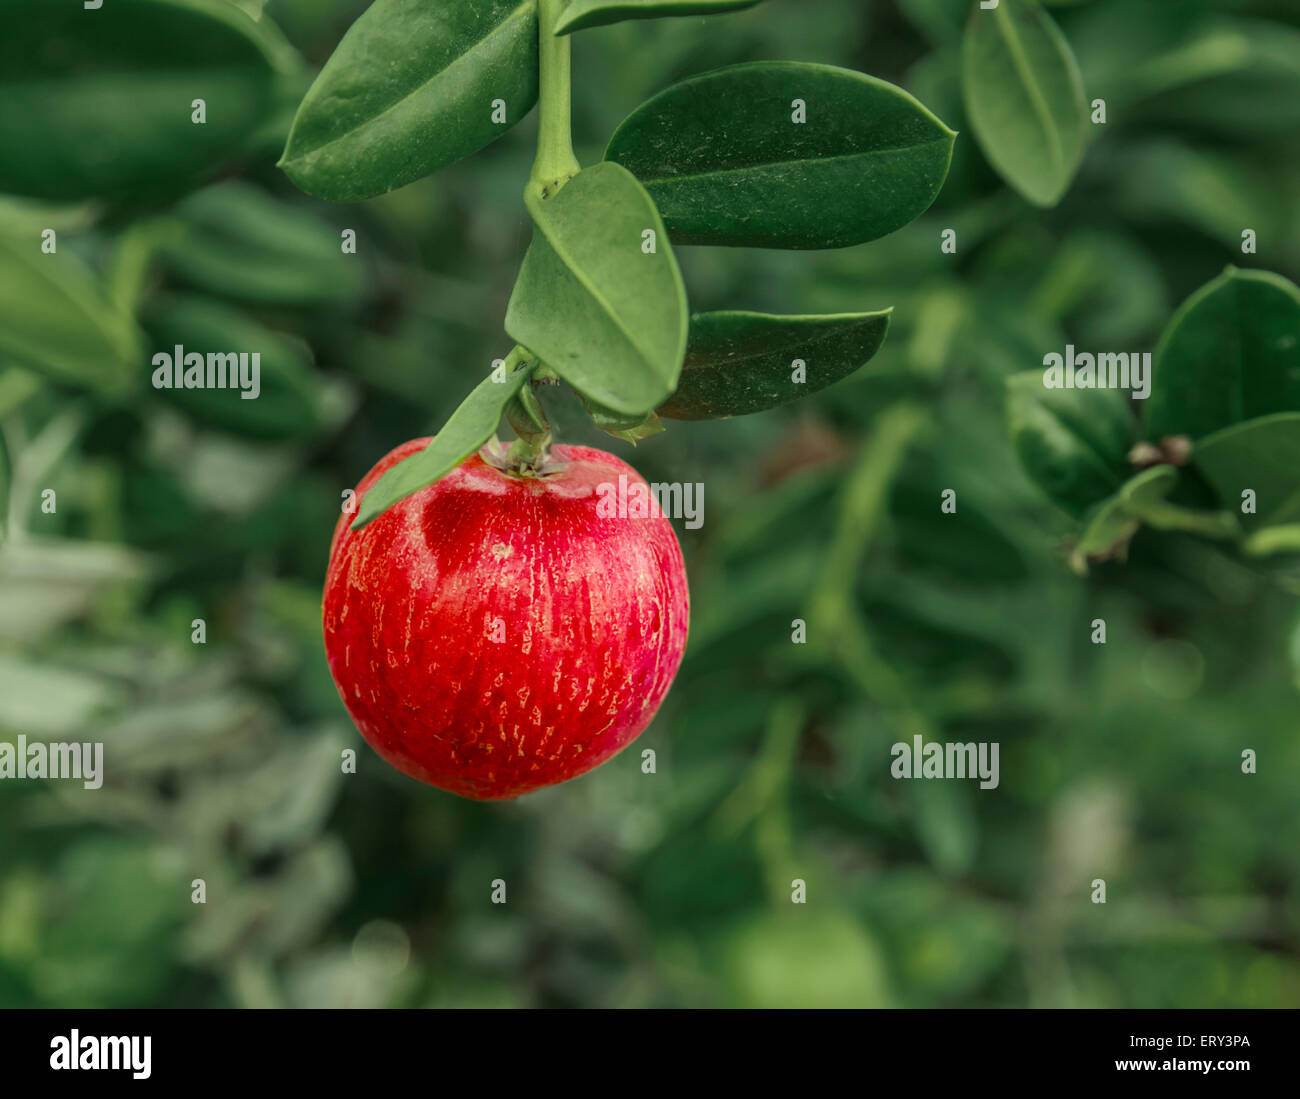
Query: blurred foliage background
x=1119 y=761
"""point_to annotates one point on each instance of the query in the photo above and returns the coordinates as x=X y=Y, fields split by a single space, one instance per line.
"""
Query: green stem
x=529 y=454
x=553 y=167
x=833 y=617
x=555 y=164
x=531 y=451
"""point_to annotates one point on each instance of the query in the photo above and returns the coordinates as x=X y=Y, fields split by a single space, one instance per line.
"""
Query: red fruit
x=492 y=634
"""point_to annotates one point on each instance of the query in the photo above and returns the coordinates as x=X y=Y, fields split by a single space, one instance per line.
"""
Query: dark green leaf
x=469 y=427
x=1230 y=353
x=288 y=404
x=98 y=103
x=726 y=164
x=1024 y=98
x=235 y=239
x=606 y=316
x=409 y=90
x=1163 y=181
x=1073 y=443
x=56 y=318
x=1262 y=455
x=738 y=363
x=1170 y=63
x=578 y=15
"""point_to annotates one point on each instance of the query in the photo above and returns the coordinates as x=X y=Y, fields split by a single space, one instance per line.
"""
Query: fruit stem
x=555 y=164
x=530 y=452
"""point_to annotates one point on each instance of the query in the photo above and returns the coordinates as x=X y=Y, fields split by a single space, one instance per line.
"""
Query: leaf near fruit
x=411 y=89
x=604 y=313
x=1024 y=97
x=738 y=362
x=728 y=161
x=470 y=426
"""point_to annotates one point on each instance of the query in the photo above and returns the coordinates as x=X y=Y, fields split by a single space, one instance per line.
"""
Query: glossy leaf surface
x=411 y=89
x=726 y=161
x=470 y=426
x=1230 y=353
x=740 y=362
x=1024 y=98
x=607 y=316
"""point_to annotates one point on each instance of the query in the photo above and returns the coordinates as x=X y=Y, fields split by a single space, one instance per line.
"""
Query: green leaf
x=604 y=315
x=1262 y=455
x=469 y=427
x=631 y=429
x=726 y=163
x=409 y=90
x=738 y=363
x=1172 y=66
x=56 y=318
x=1024 y=97
x=1072 y=443
x=1146 y=497
x=578 y=15
x=1230 y=353
x=235 y=239
x=289 y=403
x=98 y=103
x=130 y=260
x=1162 y=181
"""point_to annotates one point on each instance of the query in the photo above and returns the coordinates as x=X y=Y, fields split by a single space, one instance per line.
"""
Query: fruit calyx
x=524 y=457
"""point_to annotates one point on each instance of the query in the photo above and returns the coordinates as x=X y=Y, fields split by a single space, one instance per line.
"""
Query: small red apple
x=492 y=633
